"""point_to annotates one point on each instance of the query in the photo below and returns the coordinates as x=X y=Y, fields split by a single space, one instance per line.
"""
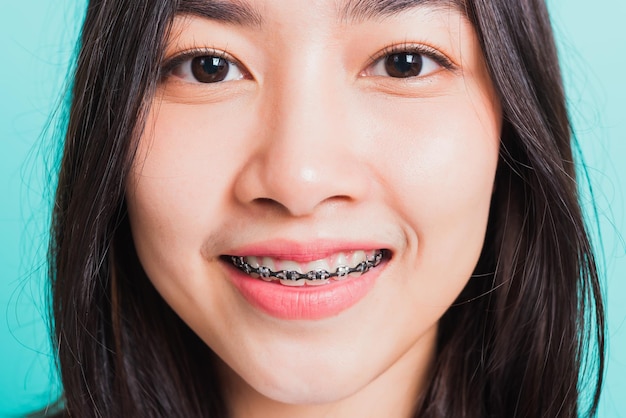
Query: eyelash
x=405 y=48
x=171 y=63
x=419 y=49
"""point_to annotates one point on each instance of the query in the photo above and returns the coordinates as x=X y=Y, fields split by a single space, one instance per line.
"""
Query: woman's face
x=310 y=137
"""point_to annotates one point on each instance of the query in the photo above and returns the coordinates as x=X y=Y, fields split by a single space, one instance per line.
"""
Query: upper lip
x=302 y=251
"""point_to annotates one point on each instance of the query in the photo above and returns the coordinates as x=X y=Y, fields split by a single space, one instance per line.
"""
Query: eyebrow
x=360 y=10
x=236 y=12
x=242 y=13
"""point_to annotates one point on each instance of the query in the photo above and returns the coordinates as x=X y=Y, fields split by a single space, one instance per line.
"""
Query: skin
x=313 y=142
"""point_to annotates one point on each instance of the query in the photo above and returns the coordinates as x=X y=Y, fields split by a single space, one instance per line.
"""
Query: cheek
x=176 y=191
x=184 y=170
x=440 y=159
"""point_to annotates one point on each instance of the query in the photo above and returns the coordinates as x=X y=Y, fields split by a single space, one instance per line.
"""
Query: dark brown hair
x=524 y=339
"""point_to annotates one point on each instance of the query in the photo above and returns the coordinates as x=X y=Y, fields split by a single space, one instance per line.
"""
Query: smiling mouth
x=319 y=272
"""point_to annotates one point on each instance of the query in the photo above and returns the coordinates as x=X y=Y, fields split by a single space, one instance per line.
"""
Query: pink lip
x=301 y=252
x=303 y=302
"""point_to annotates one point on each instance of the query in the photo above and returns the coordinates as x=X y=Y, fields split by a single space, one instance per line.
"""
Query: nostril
x=295 y=208
x=270 y=205
x=265 y=201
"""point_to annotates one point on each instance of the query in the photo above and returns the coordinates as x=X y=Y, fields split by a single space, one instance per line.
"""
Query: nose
x=307 y=154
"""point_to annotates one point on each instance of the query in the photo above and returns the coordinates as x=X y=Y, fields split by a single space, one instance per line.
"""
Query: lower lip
x=304 y=302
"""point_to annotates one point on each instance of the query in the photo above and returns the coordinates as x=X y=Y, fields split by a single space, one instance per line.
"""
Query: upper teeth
x=316 y=272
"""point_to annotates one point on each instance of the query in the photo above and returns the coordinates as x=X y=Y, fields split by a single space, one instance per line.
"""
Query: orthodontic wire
x=319 y=274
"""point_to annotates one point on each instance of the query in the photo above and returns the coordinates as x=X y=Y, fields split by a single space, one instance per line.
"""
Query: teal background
x=36 y=40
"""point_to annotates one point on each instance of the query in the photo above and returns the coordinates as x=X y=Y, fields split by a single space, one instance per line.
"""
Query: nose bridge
x=306 y=113
x=303 y=158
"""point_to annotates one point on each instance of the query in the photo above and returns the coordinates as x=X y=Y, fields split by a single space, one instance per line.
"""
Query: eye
x=204 y=68
x=407 y=63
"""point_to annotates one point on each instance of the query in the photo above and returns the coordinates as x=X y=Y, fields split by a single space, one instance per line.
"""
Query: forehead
x=250 y=12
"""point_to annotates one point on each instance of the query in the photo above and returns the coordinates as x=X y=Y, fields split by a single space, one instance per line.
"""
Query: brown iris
x=403 y=65
x=208 y=69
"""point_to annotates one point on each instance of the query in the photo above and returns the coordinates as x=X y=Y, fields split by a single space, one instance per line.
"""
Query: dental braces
x=319 y=274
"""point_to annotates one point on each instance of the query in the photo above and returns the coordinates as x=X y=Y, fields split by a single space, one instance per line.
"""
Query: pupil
x=403 y=65
x=212 y=65
x=209 y=69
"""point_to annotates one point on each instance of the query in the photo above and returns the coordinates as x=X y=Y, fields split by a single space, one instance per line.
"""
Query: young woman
x=270 y=208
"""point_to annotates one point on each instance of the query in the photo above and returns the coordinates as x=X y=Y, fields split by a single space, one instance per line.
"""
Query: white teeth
x=292 y=283
x=318 y=265
x=290 y=266
x=265 y=262
x=314 y=273
x=343 y=265
x=342 y=260
x=252 y=261
x=315 y=266
x=357 y=258
x=316 y=282
x=269 y=263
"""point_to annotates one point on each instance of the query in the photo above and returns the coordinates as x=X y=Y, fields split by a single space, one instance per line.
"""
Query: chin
x=313 y=391
x=317 y=381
